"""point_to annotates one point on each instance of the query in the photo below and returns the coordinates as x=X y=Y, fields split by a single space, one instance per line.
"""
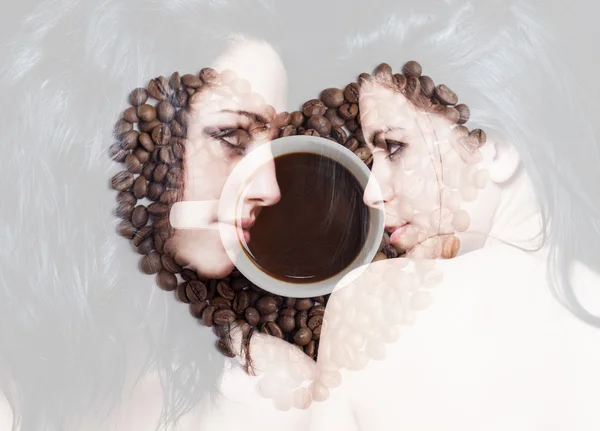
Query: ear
x=502 y=160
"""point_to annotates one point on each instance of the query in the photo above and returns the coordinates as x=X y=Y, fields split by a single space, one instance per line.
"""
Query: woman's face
x=228 y=121
x=423 y=172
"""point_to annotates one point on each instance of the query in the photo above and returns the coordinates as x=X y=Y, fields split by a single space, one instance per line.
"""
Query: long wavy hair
x=74 y=307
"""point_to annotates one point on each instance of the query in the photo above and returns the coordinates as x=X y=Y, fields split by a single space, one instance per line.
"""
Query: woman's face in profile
x=422 y=172
x=227 y=122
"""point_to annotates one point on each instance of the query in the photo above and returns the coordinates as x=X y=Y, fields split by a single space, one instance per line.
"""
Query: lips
x=396 y=232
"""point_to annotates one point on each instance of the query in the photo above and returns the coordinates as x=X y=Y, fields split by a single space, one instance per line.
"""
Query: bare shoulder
x=495 y=347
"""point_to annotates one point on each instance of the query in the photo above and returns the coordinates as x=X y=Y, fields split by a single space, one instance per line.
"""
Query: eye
x=231 y=138
x=394 y=148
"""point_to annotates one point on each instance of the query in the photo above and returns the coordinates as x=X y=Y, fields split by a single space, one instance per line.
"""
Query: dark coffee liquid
x=317 y=228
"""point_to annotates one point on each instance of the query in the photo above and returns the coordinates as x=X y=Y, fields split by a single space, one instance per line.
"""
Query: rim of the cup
x=233 y=194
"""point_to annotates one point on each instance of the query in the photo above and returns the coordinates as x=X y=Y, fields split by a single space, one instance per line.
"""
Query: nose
x=379 y=189
x=263 y=189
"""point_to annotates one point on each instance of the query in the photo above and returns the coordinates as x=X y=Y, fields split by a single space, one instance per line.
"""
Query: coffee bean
x=383 y=72
x=465 y=113
x=427 y=86
x=165 y=111
x=348 y=111
x=147 y=127
x=317 y=310
x=191 y=81
x=146 y=113
x=413 y=87
x=241 y=301
x=159 y=88
x=196 y=308
x=129 y=140
x=133 y=164
x=175 y=81
x=288 y=131
x=157 y=209
x=126 y=229
x=412 y=69
x=150 y=264
x=390 y=251
x=303 y=304
x=141 y=235
x=189 y=274
x=224 y=317
x=332 y=97
x=479 y=135
x=339 y=135
x=319 y=299
x=451 y=114
x=196 y=291
x=286 y=322
x=139 y=217
x=160 y=173
x=400 y=81
x=271 y=328
x=124 y=210
x=301 y=318
x=239 y=282
x=176 y=129
x=352 y=144
x=445 y=95
x=209 y=76
x=225 y=290
x=316 y=333
x=146 y=142
x=281 y=120
x=142 y=155
x=155 y=190
x=351 y=93
x=296 y=119
x=313 y=107
x=181 y=293
x=207 y=315
x=320 y=124
x=221 y=302
x=169 y=264
x=266 y=305
x=333 y=117
x=360 y=136
x=221 y=331
x=146 y=246
x=315 y=321
x=310 y=349
x=165 y=155
x=121 y=127
x=138 y=96
x=252 y=316
x=289 y=302
x=303 y=336
x=166 y=280
x=364 y=154
x=271 y=317
x=117 y=153
x=364 y=78
x=130 y=115
x=168 y=197
x=161 y=135
x=180 y=98
x=225 y=347
x=122 y=181
x=183 y=117
x=174 y=176
x=243 y=326
x=379 y=256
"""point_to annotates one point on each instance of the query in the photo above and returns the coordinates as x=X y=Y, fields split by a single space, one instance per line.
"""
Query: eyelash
x=219 y=134
x=393 y=154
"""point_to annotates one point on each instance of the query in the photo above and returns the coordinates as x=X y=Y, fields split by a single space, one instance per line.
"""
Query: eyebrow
x=251 y=115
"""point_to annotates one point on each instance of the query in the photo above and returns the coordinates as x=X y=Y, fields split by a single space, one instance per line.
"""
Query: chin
x=216 y=265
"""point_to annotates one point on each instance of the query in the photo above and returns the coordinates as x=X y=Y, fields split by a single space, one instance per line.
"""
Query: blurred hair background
x=77 y=318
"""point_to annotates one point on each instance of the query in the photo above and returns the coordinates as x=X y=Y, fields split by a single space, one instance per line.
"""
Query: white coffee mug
x=233 y=192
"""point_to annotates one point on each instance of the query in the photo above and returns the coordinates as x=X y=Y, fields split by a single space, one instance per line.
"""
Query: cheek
x=207 y=170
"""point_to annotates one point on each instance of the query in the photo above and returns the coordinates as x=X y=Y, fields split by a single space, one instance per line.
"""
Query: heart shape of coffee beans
x=150 y=138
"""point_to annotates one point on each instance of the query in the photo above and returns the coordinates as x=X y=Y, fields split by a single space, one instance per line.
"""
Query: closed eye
x=231 y=138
